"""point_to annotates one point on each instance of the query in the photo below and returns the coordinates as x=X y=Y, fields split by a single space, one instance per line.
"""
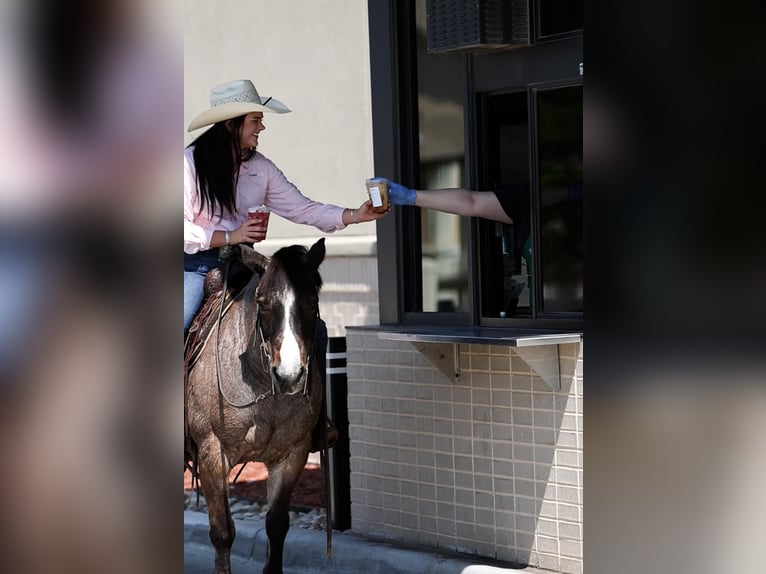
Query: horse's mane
x=293 y=260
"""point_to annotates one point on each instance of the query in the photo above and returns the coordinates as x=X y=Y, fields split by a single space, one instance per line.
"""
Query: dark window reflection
x=559 y=116
x=506 y=272
x=444 y=245
x=559 y=16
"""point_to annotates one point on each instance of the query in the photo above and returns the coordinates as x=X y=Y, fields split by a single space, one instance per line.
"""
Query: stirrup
x=332 y=433
x=332 y=436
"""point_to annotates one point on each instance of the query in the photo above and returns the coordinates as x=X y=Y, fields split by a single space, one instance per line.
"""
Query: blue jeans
x=196 y=267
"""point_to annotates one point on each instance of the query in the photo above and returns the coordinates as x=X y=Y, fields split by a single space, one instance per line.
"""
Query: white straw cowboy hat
x=234 y=99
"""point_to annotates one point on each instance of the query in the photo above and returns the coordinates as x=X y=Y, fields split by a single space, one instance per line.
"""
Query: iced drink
x=377 y=191
x=260 y=213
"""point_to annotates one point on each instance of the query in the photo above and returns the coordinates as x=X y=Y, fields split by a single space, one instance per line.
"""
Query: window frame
x=396 y=155
x=538 y=318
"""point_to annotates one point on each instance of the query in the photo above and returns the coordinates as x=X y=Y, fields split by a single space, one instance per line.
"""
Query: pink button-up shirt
x=260 y=183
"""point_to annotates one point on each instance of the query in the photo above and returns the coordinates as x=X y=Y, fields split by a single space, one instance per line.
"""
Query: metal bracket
x=443 y=356
x=543 y=360
x=539 y=349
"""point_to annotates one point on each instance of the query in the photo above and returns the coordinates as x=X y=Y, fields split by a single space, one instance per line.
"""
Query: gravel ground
x=247 y=499
x=312 y=518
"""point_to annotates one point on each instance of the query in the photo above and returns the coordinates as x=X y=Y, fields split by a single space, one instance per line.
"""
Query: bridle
x=265 y=352
x=266 y=355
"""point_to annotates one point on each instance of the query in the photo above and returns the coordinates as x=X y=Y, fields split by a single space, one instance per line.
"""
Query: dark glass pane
x=506 y=272
x=559 y=16
x=559 y=124
x=444 y=245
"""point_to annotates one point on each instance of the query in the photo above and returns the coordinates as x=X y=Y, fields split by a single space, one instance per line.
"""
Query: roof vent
x=476 y=25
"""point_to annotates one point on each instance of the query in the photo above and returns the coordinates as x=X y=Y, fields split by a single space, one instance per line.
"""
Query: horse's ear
x=316 y=254
x=254 y=260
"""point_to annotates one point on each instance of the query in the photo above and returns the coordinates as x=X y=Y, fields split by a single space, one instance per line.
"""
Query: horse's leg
x=281 y=482
x=214 y=477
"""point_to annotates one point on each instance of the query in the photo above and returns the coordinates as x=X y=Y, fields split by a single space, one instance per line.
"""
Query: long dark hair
x=217 y=157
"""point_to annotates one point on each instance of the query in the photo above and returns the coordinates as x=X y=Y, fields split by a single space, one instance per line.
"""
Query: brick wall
x=350 y=293
x=489 y=464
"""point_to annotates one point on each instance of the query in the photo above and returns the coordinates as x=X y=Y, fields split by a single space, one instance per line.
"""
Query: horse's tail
x=190 y=447
x=191 y=452
x=191 y=462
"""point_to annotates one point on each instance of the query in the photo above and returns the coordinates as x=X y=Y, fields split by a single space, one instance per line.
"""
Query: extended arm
x=453 y=200
x=462 y=202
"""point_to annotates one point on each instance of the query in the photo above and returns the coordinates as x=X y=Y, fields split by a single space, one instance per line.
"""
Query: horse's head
x=287 y=302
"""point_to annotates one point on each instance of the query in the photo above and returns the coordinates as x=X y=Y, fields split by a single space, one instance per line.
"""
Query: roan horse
x=254 y=394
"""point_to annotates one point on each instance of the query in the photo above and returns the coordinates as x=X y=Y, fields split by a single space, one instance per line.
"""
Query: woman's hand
x=363 y=213
x=251 y=231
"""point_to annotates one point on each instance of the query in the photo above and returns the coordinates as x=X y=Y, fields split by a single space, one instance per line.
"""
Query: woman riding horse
x=224 y=175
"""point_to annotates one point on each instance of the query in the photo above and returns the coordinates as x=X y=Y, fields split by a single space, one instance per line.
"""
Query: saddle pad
x=203 y=324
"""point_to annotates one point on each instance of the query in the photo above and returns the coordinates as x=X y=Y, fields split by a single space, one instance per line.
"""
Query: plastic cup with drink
x=377 y=191
x=261 y=214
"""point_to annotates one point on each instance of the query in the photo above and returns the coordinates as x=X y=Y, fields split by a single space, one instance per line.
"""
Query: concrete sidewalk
x=305 y=552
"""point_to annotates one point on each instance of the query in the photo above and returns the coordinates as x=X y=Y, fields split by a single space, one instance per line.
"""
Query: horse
x=255 y=394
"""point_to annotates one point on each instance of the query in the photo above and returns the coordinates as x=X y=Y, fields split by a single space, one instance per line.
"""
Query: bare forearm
x=454 y=200
x=463 y=202
x=219 y=239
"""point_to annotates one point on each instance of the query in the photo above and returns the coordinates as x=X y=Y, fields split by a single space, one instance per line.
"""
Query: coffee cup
x=377 y=191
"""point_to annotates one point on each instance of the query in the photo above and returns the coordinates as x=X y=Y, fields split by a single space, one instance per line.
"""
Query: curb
x=305 y=549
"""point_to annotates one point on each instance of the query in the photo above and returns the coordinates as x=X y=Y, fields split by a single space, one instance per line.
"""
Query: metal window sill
x=481 y=336
x=538 y=348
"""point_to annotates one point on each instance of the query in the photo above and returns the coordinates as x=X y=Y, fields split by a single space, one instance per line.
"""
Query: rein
x=218 y=348
x=264 y=349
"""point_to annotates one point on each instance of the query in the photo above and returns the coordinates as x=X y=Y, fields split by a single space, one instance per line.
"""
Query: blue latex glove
x=400 y=195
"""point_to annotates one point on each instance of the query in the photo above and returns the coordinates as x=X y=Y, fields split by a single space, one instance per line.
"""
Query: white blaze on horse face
x=290 y=352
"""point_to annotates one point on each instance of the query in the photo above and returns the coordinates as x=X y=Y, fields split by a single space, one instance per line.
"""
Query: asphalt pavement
x=305 y=553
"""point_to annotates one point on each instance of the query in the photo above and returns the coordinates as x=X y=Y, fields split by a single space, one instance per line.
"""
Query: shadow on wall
x=547 y=499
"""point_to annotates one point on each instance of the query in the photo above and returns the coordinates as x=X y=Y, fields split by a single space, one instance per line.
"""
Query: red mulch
x=251 y=485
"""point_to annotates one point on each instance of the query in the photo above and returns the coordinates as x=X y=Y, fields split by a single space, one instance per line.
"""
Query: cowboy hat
x=234 y=99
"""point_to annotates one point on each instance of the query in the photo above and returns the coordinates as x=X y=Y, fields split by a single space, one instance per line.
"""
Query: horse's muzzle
x=289 y=384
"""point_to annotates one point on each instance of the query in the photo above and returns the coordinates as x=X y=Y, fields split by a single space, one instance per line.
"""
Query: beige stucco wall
x=313 y=55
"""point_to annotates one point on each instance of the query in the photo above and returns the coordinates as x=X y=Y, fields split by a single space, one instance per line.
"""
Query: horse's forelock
x=294 y=261
x=291 y=253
